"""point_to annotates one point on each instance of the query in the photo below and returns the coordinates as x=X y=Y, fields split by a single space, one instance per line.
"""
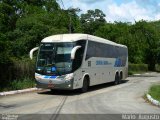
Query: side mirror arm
x=73 y=52
x=32 y=51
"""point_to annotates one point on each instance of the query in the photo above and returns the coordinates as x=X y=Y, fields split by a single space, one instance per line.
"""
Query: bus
x=78 y=61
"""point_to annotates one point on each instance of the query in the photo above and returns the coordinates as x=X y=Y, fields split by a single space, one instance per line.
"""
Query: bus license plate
x=50 y=84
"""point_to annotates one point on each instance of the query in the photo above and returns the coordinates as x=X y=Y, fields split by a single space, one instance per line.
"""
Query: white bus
x=73 y=61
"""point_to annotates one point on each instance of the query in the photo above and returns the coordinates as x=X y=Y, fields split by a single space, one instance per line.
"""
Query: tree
x=8 y=15
x=92 y=20
x=153 y=42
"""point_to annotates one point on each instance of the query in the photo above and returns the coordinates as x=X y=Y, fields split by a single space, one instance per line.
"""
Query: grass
x=19 y=84
x=154 y=91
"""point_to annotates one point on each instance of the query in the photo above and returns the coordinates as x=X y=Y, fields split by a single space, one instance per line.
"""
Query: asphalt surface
x=125 y=98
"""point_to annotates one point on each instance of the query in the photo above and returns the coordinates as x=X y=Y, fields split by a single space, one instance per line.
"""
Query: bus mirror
x=73 y=52
x=32 y=51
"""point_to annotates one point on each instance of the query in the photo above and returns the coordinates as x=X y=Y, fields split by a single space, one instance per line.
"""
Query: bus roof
x=78 y=36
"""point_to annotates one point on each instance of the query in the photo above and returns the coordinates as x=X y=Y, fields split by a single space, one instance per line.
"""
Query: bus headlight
x=69 y=76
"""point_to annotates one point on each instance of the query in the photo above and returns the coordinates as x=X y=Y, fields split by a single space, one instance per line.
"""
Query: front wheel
x=85 y=86
x=52 y=90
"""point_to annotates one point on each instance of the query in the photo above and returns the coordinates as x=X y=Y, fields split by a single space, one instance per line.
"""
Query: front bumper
x=62 y=86
x=53 y=84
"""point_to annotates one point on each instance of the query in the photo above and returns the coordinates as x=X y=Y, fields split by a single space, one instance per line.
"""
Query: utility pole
x=70 y=12
x=70 y=18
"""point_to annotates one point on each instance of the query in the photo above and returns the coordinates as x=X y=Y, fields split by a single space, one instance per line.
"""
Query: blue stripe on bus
x=53 y=76
x=50 y=77
x=46 y=76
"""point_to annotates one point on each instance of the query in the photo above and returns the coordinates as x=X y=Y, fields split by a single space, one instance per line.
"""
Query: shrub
x=158 y=67
x=16 y=72
x=22 y=84
x=132 y=68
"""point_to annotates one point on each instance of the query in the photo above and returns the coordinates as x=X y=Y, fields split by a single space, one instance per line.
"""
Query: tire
x=52 y=90
x=116 y=81
x=120 y=79
x=85 y=85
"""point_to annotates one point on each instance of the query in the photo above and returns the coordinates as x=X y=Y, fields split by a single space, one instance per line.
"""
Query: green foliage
x=92 y=20
x=22 y=84
x=154 y=92
x=157 y=67
x=141 y=38
x=4 y=52
x=23 y=68
x=19 y=84
x=17 y=70
x=137 y=68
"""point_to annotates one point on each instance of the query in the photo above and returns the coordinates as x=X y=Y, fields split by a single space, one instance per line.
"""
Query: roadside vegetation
x=154 y=91
x=17 y=75
x=157 y=67
x=137 y=68
x=23 y=24
x=19 y=84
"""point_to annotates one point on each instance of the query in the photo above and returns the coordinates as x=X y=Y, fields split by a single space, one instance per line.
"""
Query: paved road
x=126 y=98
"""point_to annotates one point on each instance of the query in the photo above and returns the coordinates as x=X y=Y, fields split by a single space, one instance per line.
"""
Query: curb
x=153 y=101
x=18 y=91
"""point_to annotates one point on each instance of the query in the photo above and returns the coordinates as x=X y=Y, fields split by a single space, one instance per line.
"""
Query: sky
x=118 y=10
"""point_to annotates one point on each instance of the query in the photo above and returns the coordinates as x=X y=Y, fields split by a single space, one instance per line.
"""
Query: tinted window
x=95 y=49
x=79 y=55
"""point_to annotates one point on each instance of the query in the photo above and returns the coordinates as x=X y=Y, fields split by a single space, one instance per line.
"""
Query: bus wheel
x=116 y=81
x=52 y=90
x=120 y=79
x=85 y=85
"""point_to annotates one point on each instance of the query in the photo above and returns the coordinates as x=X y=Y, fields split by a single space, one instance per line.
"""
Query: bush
x=17 y=72
x=19 y=84
x=158 y=67
x=22 y=84
x=23 y=68
x=136 y=68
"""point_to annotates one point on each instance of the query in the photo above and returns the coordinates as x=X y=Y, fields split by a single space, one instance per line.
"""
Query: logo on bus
x=118 y=62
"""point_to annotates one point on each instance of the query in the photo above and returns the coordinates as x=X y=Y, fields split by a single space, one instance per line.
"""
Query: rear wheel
x=116 y=81
x=120 y=79
x=85 y=85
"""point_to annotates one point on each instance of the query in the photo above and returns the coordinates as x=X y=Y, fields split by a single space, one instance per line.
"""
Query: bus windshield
x=55 y=58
